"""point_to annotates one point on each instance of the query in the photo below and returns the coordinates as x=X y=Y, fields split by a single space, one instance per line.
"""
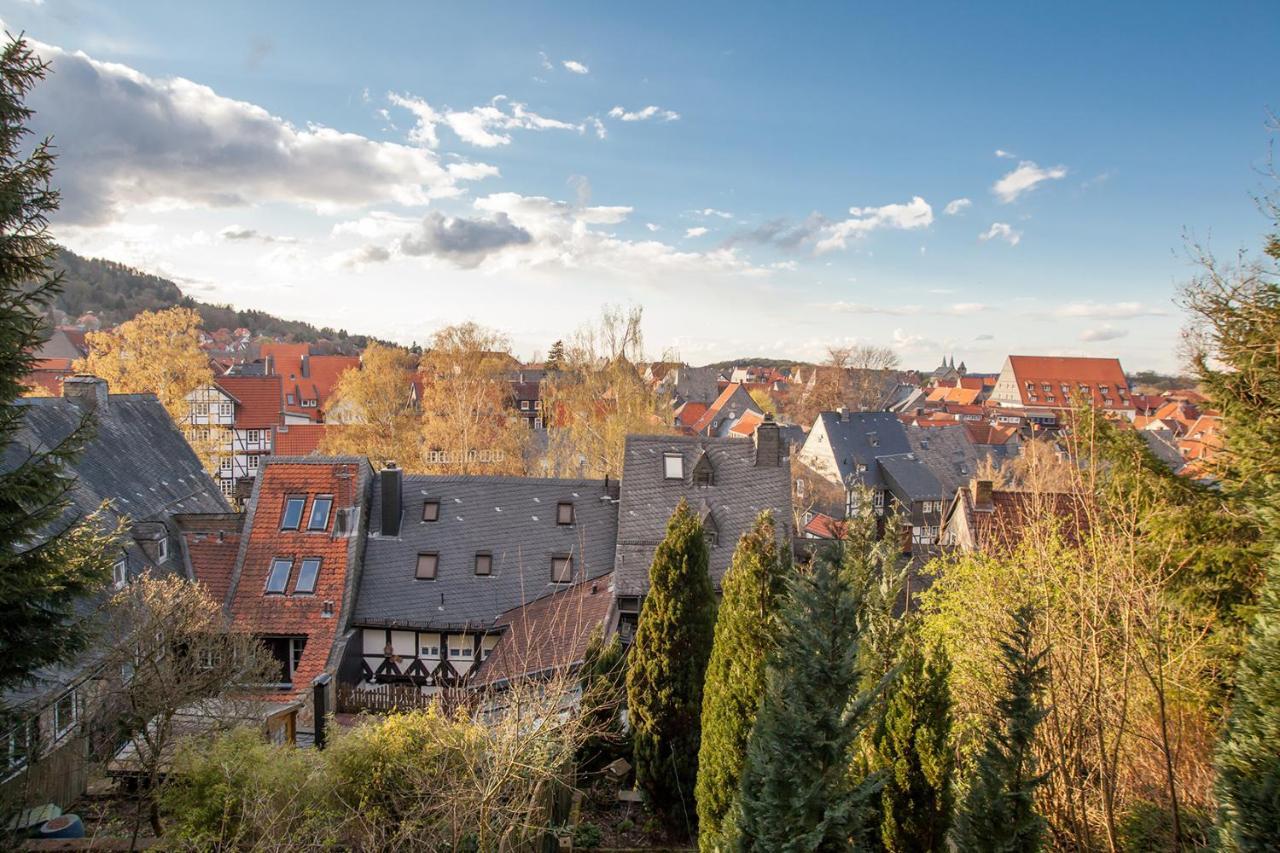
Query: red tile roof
x=260 y=404
x=824 y=526
x=1056 y=371
x=986 y=433
x=962 y=396
x=713 y=411
x=746 y=425
x=548 y=634
x=690 y=413
x=297 y=615
x=299 y=439
x=212 y=542
x=314 y=382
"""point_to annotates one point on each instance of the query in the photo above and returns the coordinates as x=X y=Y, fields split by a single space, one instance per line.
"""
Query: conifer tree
x=49 y=558
x=999 y=812
x=667 y=667
x=745 y=627
x=797 y=791
x=914 y=745
x=555 y=358
x=1248 y=759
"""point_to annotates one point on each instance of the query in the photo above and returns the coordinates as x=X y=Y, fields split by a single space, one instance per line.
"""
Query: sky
x=764 y=179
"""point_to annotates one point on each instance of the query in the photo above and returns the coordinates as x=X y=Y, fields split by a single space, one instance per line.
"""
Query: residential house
x=140 y=465
x=842 y=448
x=451 y=561
x=301 y=439
x=526 y=393
x=1047 y=385
x=993 y=521
x=728 y=482
x=732 y=405
x=244 y=412
x=55 y=359
x=684 y=384
x=309 y=380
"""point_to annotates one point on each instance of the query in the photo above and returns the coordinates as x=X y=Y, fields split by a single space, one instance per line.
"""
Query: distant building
x=247 y=410
x=309 y=380
x=1047 y=385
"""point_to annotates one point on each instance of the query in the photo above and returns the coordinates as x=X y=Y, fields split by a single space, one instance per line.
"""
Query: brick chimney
x=88 y=392
x=981 y=490
x=768 y=439
x=391 y=482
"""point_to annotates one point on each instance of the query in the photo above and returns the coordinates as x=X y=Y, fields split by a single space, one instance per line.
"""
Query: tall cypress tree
x=999 y=812
x=1248 y=759
x=797 y=791
x=49 y=558
x=914 y=745
x=667 y=667
x=745 y=628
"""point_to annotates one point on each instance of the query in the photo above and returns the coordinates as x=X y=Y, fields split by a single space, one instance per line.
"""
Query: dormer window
x=278 y=578
x=672 y=466
x=431 y=511
x=162 y=552
x=120 y=574
x=703 y=474
x=320 y=508
x=484 y=564
x=562 y=569
x=873 y=439
x=292 y=513
x=564 y=513
x=307 y=575
x=426 y=570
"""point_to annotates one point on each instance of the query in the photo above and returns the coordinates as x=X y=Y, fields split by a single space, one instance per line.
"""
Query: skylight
x=292 y=513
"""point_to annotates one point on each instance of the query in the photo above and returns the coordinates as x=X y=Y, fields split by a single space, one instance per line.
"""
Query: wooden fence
x=387 y=698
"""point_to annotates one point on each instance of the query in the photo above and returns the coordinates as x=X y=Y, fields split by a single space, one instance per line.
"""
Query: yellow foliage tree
x=468 y=422
x=372 y=413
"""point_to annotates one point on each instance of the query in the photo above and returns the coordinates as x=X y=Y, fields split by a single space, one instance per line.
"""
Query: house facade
x=242 y=413
x=1052 y=384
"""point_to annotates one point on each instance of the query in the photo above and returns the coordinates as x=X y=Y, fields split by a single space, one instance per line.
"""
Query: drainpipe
x=319 y=701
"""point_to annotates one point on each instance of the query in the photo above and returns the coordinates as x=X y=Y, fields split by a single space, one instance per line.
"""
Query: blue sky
x=935 y=178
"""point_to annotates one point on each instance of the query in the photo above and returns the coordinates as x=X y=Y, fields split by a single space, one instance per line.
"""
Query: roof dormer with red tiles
x=309 y=380
x=299 y=562
x=1056 y=382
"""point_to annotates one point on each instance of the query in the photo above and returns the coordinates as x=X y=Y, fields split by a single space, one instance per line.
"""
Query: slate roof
x=909 y=478
x=1164 y=446
x=850 y=437
x=511 y=518
x=548 y=634
x=948 y=452
x=740 y=491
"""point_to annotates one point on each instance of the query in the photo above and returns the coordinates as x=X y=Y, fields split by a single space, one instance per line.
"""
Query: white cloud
x=695 y=232
x=484 y=126
x=711 y=211
x=1105 y=332
x=545 y=62
x=1024 y=179
x=598 y=126
x=575 y=66
x=1005 y=155
x=914 y=214
x=603 y=215
x=956 y=206
x=238 y=233
x=644 y=114
x=133 y=141
x=652 y=226
x=959 y=309
x=1001 y=231
x=1110 y=310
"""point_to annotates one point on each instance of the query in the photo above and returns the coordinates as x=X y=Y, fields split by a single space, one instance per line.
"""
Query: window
x=537 y=423
x=320 y=512
x=252 y=462
x=564 y=513
x=873 y=439
x=484 y=564
x=163 y=550
x=64 y=713
x=524 y=405
x=307 y=575
x=537 y=405
x=228 y=488
x=224 y=465
x=431 y=511
x=561 y=569
x=877 y=499
x=292 y=513
x=224 y=409
x=200 y=409
x=120 y=574
x=253 y=436
x=20 y=743
x=672 y=466
x=426 y=570
x=711 y=536
x=278 y=579
x=289 y=398
x=287 y=652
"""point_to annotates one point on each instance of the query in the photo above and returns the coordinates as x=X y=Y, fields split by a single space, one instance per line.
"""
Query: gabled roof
x=212 y=542
x=948 y=453
x=946 y=394
x=513 y=519
x=857 y=438
x=1056 y=371
x=740 y=490
x=547 y=635
x=909 y=478
x=734 y=398
x=259 y=400
x=689 y=413
x=746 y=425
x=300 y=439
x=1001 y=526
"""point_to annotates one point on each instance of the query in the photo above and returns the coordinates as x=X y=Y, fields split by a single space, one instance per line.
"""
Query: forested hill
x=115 y=293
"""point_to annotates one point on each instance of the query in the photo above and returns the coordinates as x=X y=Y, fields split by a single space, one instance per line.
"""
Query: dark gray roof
x=948 y=451
x=739 y=492
x=859 y=438
x=511 y=518
x=909 y=478
x=694 y=384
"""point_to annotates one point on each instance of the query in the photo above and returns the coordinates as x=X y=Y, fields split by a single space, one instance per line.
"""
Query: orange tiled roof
x=1057 y=371
x=299 y=439
x=987 y=433
x=299 y=615
x=962 y=396
x=212 y=542
x=690 y=412
x=713 y=411
x=261 y=405
x=824 y=527
x=746 y=425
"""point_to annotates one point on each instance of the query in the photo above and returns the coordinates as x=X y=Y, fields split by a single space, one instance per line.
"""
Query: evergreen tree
x=745 y=627
x=914 y=745
x=555 y=358
x=999 y=812
x=1248 y=759
x=797 y=791
x=49 y=558
x=667 y=667
x=604 y=685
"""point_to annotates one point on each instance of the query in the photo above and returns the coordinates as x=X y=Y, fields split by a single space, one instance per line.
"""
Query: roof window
x=426 y=570
x=292 y=513
x=672 y=466
x=431 y=511
x=320 y=508
x=278 y=578
x=564 y=513
x=484 y=564
x=307 y=575
x=562 y=569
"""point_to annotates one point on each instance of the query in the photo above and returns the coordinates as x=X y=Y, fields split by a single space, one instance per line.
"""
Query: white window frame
x=120 y=574
x=672 y=466
x=60 y=726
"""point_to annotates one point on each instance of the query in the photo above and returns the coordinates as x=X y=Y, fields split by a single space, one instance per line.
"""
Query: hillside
x=116 y=293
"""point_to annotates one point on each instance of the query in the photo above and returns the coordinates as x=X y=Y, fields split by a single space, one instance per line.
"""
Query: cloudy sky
x=762 y=181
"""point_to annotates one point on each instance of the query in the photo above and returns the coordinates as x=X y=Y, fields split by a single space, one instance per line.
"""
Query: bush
x=1147 y=827
x=587 y=836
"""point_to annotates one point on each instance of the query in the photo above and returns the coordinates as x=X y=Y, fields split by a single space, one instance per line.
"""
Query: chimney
x=844 y=414
x=768 y=444
x=981 y=490
x=306 y=366
x=88 y=392
x=391 y=479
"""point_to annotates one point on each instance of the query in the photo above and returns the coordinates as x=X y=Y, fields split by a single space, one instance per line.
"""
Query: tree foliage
x=667 y=668
x=999 y=813
x=372 y=410
x=49 y=557
x=604 y=693
x=797 y=791
x=745 y=627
